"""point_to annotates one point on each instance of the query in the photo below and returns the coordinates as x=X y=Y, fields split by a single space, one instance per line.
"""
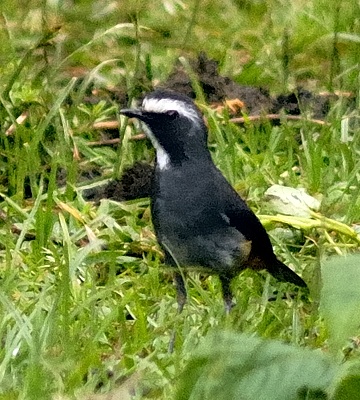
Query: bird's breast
x=191 y=223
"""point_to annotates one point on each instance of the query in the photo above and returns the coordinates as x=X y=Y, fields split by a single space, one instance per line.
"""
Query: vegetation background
x=86 y=311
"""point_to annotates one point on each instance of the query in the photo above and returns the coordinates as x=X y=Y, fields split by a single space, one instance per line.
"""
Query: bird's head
x=174 y=125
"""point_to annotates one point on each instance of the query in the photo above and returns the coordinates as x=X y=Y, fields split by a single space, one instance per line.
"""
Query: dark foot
x=172 y=341
x=180 y=291
x=229 y=304
x=181 y=300
x=227 y=294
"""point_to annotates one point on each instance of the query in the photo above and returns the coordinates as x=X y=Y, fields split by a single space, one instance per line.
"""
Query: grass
x=86 y=307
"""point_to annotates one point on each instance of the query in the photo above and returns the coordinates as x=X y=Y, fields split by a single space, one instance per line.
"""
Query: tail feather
x=284 y=274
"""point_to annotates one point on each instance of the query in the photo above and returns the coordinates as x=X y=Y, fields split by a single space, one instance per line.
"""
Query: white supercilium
x=164 y=105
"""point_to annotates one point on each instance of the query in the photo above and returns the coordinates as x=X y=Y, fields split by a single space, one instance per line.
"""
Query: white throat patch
x=162 y=157
x=164 y=105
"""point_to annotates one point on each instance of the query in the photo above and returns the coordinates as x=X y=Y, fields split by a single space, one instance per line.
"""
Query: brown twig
x=105 y=142
x=272 y=117
x=111 y=142
x=237 y=120
x=106 y=125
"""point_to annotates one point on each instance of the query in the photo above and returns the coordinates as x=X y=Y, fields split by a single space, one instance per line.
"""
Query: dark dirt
x=218 y=88
x=135 y=183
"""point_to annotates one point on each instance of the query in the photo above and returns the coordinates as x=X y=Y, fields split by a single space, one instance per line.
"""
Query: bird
x=200 y=221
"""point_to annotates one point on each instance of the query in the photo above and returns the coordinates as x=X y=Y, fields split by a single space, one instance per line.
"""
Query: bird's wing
x=242 y=218
x=245 y=221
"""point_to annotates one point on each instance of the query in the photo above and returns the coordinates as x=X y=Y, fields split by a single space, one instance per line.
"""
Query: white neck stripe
x=162 y=157
x=164 y=105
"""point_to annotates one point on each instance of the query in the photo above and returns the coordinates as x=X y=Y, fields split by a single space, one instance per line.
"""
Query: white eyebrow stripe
x=164 y=105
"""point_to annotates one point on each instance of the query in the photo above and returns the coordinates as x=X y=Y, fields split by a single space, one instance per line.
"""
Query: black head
x=175 y=126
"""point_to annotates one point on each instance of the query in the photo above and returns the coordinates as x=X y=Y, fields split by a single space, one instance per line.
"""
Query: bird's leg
x=181 y=300
x=178 y=278
x=180 y=291
x=227 y=294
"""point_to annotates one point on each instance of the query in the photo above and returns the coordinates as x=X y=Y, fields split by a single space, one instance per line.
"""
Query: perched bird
x=199 y=219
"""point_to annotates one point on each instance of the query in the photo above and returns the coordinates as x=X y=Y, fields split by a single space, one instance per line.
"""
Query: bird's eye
x=172 y=113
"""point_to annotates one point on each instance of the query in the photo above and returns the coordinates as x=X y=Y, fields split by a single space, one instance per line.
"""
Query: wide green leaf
x=231 y=366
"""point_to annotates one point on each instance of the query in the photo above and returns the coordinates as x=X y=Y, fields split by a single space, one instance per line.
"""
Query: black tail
x=284 y=274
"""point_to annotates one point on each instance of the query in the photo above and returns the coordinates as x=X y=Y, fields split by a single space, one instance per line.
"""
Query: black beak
x=132 y=113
